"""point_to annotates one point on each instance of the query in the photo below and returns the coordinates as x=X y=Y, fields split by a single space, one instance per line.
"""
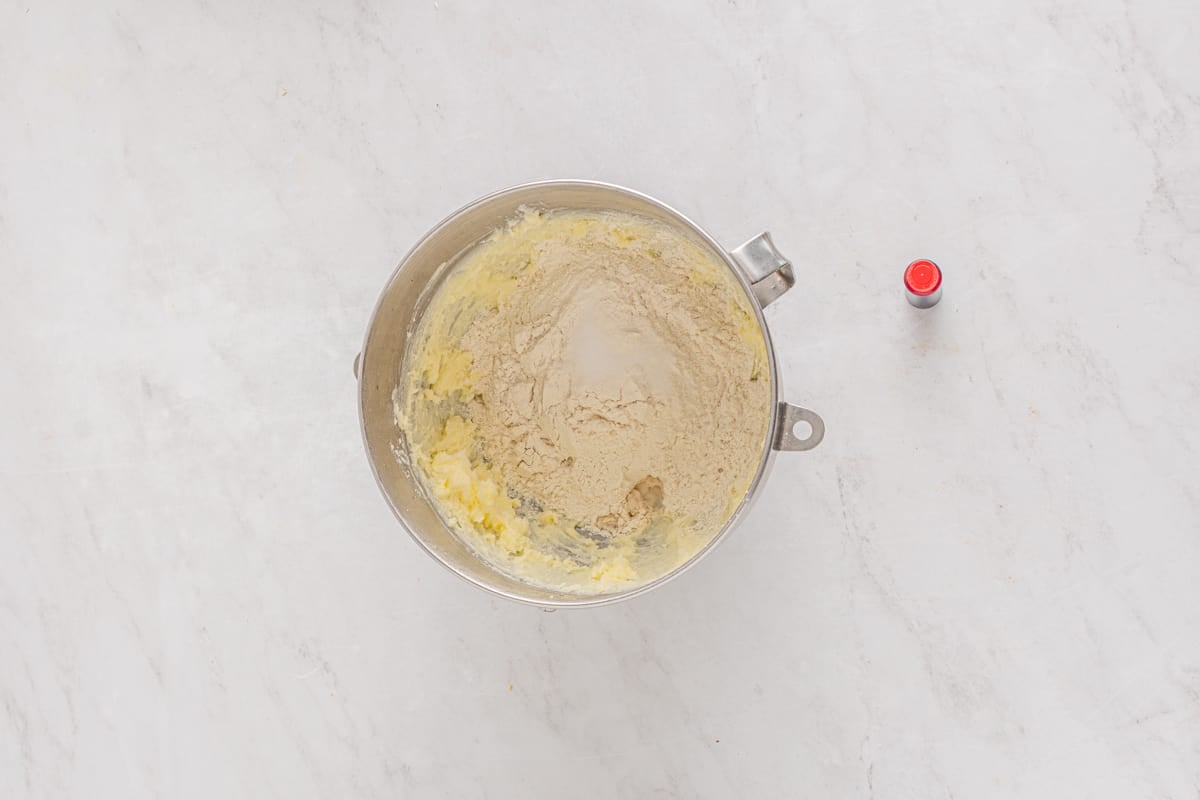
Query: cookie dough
x=586 y=398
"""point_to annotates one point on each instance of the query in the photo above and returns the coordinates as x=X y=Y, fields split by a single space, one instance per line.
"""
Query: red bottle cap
x=922 y=278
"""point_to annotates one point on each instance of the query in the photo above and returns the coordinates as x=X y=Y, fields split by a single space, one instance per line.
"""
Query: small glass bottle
x=923 y=283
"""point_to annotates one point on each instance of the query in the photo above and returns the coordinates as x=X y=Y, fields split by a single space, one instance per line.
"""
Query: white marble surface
x=984 y=583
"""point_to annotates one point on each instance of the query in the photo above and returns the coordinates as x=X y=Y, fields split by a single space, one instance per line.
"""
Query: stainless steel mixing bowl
x=763 y=273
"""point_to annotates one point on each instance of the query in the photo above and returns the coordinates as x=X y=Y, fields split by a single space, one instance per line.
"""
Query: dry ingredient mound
x=586 y=398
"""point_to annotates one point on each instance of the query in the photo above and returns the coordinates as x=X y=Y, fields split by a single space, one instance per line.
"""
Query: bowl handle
x=785 y=435
x=769 y=272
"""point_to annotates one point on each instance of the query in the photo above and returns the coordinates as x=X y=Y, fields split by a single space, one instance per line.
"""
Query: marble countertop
x=984 y=583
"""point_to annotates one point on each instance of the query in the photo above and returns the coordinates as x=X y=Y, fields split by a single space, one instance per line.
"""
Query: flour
x=616 y=385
